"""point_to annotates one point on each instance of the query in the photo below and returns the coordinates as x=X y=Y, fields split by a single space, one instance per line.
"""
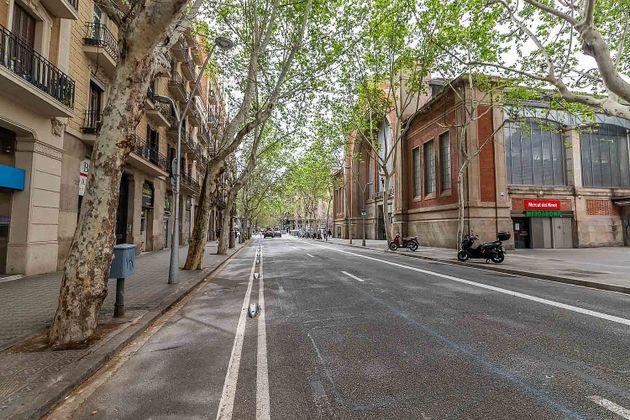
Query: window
x=24 y=25
x=605 y=155
x=415 y=155
x=534 y=154
x=429 y=168
x=445 y=162
x=384 y=151
x=370 y=170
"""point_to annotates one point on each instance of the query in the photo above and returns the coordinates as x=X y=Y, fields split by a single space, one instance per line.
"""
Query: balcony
x=101 y=46
x=30 y=80
x=177 y=85
x=189 y=67
x=160 y=113
x=189 y=184
x=204 y=135
x=66 y=9
x=148 y=159
x=91 y=122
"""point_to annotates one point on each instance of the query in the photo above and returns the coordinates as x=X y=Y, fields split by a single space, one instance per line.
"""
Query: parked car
x=277 y=234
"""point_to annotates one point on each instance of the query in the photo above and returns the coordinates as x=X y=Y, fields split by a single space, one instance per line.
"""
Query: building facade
x=58 y=58
x=548 y=178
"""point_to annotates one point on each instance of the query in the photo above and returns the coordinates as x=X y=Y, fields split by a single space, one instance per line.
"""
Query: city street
x=351 y=333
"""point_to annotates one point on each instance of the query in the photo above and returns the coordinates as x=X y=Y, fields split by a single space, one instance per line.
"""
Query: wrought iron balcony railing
x=92 y=121
x=149 y=153
x=22 y=60
x=99 y=35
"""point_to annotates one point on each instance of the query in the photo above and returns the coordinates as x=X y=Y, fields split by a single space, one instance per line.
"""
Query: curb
x=101 y=354
x=540 y=276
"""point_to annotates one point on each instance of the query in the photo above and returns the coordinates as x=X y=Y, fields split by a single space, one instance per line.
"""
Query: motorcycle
x=410 y=242
x=489 y=251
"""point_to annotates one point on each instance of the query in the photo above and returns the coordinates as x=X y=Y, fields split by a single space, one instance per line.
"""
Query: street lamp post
x=363 y=209
x=173 y=269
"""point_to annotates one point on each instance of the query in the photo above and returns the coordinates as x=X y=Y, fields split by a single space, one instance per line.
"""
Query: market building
x=546 y=177
x=57 y=62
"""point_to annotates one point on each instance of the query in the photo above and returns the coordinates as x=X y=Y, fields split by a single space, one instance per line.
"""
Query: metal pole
x=173 y=269
x=119 y=305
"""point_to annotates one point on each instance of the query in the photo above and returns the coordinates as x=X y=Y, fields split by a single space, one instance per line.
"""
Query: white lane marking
x=572 y=308
x=310 y=255
x=263 y=406
x=610 y=406
x=226 y=405
x=353 y=277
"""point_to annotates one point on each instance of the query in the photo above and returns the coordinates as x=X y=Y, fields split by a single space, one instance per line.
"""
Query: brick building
x=551 y=180
x=58 y=58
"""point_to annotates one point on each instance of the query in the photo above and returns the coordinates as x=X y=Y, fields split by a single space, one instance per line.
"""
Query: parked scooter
x=410 y=242
x=489 y=251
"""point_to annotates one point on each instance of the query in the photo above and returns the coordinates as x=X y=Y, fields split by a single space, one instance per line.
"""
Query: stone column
x=33 y=236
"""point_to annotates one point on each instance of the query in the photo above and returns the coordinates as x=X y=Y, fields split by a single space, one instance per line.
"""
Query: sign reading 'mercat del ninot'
x=542 y=204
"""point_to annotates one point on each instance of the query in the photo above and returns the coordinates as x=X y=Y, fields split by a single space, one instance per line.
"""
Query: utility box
x=124 y=261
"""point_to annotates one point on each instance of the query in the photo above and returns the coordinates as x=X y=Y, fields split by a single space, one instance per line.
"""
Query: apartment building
x=57 y=62
x=547 y=177
x=36 y=98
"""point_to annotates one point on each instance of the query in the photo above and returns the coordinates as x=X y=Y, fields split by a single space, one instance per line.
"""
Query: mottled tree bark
x=86 y=269
x=197 y=242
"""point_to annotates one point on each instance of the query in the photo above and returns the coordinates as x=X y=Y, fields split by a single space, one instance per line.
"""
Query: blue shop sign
x=12 y=178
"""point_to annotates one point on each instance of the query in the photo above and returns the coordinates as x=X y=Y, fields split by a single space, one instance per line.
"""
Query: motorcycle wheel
x=413 y=246
x=393 y=246
x=462 y=255
x=498 y=259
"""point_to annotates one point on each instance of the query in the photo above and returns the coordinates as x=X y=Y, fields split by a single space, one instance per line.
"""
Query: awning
x=12 y=178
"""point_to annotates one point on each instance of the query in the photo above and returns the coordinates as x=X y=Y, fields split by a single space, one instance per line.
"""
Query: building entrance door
x=4 y=242
x=143 y=230
x=121 y=214
x=521 y=232
x=381 y=224
x=626 y=230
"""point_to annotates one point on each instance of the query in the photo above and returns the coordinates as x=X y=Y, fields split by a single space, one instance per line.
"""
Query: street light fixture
x=225 y=44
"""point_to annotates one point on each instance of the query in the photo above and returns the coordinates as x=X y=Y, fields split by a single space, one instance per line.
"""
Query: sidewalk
x=601 y=268
x=27 y=306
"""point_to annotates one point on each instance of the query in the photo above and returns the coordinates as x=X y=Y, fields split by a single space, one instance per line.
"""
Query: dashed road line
x=226 y=405
x=352 y=276
x=310 y=255
x=263 y=410
x=610 y=406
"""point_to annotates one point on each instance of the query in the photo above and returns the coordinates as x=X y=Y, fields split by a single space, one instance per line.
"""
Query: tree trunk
x=197 y=242
x=86 y=269
x=224 y=238
x=232 y=239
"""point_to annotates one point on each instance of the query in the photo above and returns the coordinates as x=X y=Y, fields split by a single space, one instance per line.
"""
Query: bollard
x=119 y=306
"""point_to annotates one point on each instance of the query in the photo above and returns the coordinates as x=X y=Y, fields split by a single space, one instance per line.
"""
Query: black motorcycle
x=489 y=251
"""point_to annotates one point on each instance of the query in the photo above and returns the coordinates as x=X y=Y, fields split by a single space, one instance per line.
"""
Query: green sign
x=542 y=213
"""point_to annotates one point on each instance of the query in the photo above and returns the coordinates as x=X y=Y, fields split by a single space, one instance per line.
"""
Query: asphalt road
x=351 y=333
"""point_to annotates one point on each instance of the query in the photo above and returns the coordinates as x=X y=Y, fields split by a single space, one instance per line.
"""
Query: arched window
x=605 y=156
x=384 y=138
x=534 y=154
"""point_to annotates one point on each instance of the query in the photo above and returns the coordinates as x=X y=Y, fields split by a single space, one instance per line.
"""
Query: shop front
x=542 y=223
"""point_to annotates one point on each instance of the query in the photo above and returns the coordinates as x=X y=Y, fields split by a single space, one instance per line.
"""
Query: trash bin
x=122 y=267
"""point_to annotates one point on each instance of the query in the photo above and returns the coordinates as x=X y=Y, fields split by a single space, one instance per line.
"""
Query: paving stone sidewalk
x=605 y=268
x=28 y=304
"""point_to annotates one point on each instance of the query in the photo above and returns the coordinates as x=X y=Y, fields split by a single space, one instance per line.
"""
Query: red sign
x=541 y=204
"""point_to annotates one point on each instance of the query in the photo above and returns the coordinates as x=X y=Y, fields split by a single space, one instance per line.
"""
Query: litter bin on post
x=122 y=267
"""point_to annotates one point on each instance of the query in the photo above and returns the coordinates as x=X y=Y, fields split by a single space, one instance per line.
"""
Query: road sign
x=83 y=174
